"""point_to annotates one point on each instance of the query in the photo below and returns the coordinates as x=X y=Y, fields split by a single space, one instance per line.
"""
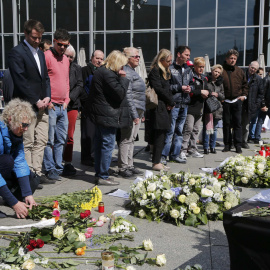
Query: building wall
x=208 y=26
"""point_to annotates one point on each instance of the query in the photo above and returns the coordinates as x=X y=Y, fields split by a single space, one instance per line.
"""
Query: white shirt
x=35 y=54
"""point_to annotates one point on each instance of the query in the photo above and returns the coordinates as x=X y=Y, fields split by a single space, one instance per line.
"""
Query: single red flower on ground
x=83 y=215
x=33 y=243
x=215 y=173
x=87 y=212
x=219 y=176
x=29 y=247
x=40 y=243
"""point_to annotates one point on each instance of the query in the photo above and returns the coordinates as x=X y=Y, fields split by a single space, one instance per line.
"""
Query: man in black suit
x=31 y=83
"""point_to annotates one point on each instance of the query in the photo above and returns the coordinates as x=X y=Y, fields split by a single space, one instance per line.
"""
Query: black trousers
x=6 y=170
x=232 y=117
x=87 y=138
x=159 y=141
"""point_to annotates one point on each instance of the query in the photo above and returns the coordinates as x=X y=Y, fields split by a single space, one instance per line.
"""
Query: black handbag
x=211 y=104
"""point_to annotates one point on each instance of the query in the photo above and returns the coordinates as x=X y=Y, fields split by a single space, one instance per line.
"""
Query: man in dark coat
x=236 y=91
x=254 y=101
x=31 y=83
x=87 y=126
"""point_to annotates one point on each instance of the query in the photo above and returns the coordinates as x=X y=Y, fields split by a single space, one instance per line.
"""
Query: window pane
x=231 y=13
x=146 y=17
x=230 y=39
x=98 y=42
x=73 y=42
x=41 y=11
x=1 y=58
x=117 y=18
x=266 y=45
x=253 y=12
x=165 y=14
x=180 y=38
x=98 y=15
x=165 y=40
x=252 y=45
x=21 y=11
x=148 y=43
x=84 y=42
x=202 y=13
x=84 y=15
x=117 y=42
x=66 y=16
x=8 y=46
x=8 y=23
x=198 y=45
x=181 y=14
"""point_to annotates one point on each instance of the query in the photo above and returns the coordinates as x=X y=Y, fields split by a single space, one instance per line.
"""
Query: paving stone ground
x=206 y=245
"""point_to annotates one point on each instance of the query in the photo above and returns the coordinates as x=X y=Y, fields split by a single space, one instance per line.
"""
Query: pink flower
x=88 y=235
x=93 y=220
x=56 y=213
x=100 y=223
x=90 y=230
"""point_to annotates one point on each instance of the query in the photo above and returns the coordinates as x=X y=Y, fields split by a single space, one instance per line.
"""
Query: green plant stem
x=73 y=257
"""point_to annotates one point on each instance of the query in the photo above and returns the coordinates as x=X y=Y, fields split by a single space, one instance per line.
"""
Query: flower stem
x=73 y=258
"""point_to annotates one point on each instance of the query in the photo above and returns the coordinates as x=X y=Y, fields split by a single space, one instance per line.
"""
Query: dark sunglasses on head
x=25 y=125
x=135 y=56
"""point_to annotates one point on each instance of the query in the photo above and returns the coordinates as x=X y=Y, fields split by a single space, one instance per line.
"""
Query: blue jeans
x=213 y=137
x=174 y=137
x=260 y=121
x=104 y=146
x=58 y=127
x=252 y=125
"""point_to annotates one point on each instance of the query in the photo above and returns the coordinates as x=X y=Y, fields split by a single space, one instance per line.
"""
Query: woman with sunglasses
x=17 y=182
x=159 y=80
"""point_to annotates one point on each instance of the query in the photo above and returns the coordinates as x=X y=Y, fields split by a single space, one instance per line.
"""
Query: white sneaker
x=183 y=156
x=197 y=155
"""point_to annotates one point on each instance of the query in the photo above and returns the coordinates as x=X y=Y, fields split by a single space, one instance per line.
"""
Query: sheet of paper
x=263 y=196
x=41 y=224
x=120 y=193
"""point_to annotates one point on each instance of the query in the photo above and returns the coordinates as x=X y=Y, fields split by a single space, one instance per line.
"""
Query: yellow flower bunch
x=95 y=199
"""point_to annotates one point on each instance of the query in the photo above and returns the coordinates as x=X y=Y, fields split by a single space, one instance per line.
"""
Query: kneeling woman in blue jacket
x=17 y=182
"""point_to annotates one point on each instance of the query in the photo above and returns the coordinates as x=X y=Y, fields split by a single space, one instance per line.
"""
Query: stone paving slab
x=206 y=245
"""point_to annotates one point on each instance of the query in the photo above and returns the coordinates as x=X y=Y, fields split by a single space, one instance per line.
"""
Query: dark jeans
x=6 y=170
x=159 y=141
x=232 y=117
x=260 y=121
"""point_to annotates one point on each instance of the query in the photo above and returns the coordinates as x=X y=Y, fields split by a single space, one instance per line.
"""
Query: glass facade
x=209 y=27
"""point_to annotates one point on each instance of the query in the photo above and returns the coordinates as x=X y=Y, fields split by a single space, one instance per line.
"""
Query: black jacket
x=266 y=99
x=107 y=104
x=255 y=95
x=197 y=101
x=76 y=86
x=161 y=116
x=29 y=83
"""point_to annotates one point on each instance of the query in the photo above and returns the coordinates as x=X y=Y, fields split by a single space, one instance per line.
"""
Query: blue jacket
x=20 y=165
x=180 y=75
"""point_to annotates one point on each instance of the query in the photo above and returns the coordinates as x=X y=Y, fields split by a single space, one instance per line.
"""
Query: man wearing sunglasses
x=58 y=70
x=31 y=83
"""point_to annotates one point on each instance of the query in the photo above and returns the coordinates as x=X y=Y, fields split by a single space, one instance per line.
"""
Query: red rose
x=82 y=215
x=29 y=247
x=219 y=176
x=33 y=243
x=87 y=212
x=215 y=173
x=40 y=243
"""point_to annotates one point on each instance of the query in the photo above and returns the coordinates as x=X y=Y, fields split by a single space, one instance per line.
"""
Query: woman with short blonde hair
x=159 y=80
x=115 y=61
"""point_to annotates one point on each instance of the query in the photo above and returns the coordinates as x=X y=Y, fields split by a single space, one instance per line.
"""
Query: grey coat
x=135 y=91
x=217 y=87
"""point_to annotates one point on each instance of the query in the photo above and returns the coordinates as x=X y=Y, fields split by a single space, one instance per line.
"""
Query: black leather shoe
x=227 y=148
x=206 y=151
x=45 y=181
x=125 y=173
x=213 y=150
x=238 y=149
x=39 y=186
x=245 y=145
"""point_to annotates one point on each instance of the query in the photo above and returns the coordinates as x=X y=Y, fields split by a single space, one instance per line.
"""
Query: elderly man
x=58 y=70
x=87 y=127
x=236 y=91
x=252 y=105
x=17 y=182
x=31 y=83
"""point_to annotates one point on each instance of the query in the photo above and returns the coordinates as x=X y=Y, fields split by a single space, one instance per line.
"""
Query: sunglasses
x=61 y=44
x=135 y=56
x=25 y=125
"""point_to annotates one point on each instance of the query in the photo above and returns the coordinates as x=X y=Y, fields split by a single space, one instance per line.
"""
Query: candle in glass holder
x=101 y=207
